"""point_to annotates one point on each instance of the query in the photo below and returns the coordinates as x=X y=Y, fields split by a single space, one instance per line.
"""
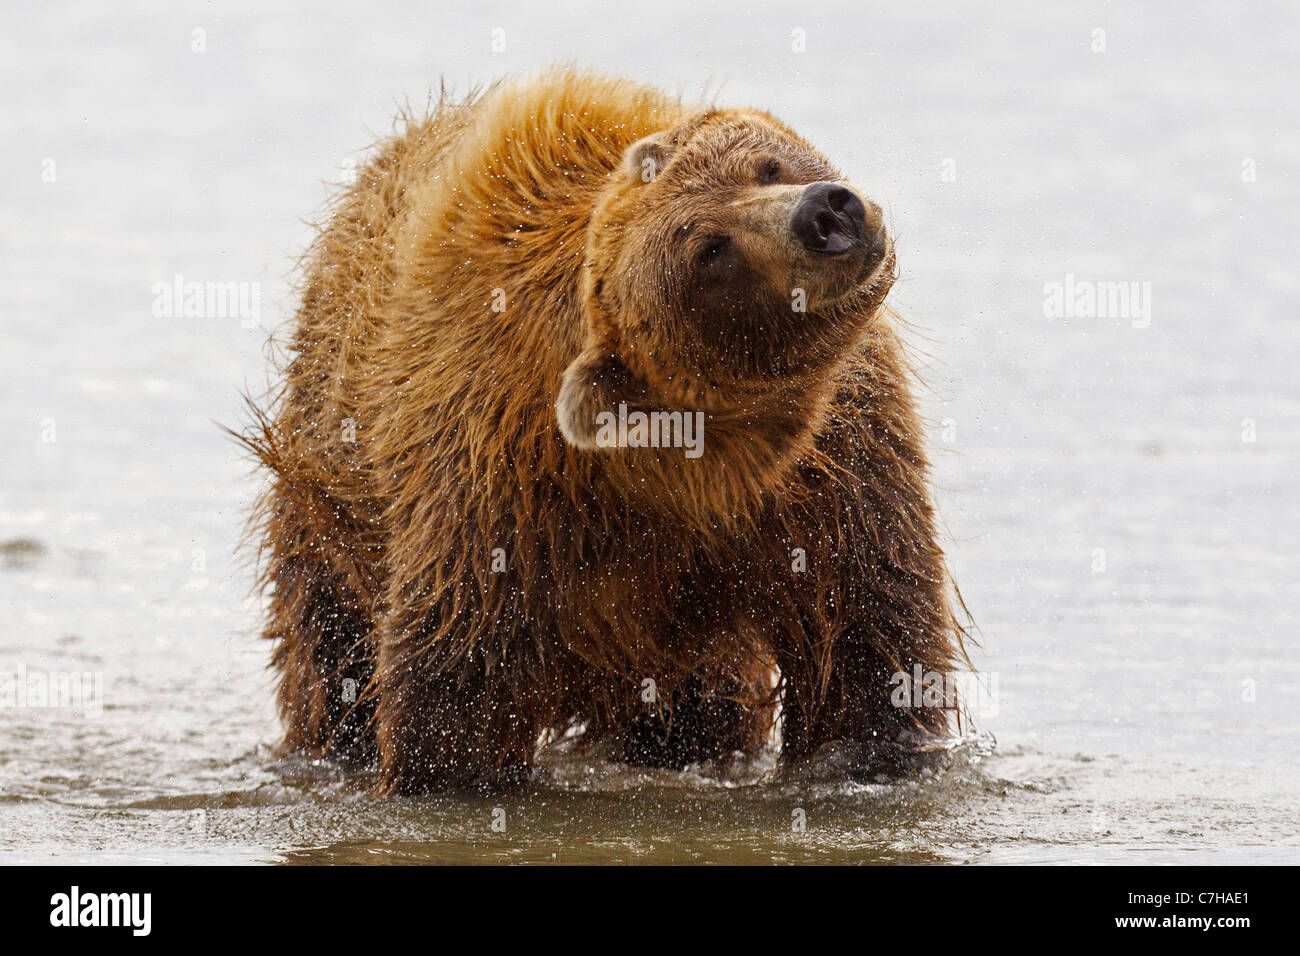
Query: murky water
x=1120 y=493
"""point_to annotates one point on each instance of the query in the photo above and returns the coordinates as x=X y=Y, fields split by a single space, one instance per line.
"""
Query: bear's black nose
x=829 y=218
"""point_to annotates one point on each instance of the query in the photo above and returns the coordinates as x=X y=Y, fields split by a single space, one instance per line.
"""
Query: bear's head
x=726 y=261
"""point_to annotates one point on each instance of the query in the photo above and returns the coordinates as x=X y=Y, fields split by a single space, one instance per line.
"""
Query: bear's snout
x=830 y=219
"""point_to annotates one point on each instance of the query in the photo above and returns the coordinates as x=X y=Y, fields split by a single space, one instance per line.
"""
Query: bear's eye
x=713 y=247
x=769 y=171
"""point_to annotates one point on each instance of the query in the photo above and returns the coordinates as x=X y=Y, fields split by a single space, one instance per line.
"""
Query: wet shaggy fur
x=486 y=259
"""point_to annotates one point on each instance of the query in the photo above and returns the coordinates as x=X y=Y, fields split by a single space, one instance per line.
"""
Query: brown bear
x=594 y=416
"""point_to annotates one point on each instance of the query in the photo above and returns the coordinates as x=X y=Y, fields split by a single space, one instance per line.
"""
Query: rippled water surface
x=1129 y=558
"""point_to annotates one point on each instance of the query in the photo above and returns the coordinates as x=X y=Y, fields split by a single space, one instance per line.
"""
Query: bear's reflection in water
x=586 y=808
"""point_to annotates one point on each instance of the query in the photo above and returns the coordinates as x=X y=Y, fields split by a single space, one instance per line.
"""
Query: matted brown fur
x=417 y=432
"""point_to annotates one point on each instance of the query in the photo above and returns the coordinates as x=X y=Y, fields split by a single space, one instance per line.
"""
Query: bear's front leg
x=707 y=717
x=458 y=724
x=877 y=680
x=869 y=638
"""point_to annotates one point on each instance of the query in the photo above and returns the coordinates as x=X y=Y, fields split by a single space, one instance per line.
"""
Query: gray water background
x=1146 y=713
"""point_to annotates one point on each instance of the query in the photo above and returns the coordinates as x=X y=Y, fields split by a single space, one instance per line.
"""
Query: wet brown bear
x=492 y=513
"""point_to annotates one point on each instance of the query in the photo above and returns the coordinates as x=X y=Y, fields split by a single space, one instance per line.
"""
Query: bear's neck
x=701 y=456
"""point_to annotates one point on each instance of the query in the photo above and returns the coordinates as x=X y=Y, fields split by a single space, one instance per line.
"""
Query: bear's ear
x=648 y=157
x=595 y=382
